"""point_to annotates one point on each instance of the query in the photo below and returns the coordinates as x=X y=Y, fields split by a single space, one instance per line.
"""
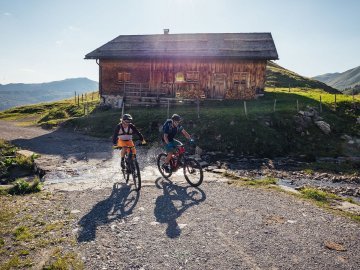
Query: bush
x=23 y=187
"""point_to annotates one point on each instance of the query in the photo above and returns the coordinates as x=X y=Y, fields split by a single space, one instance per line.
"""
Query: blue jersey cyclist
x=170 y=129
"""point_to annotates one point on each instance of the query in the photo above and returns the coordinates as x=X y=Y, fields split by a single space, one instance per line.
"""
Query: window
x=123 y=77
x=219 y=77
x=179 y=77
x=192 y=76
x=240 y=78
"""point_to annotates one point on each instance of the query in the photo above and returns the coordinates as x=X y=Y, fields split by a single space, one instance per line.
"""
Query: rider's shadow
x=174 y=201
x=118 y=205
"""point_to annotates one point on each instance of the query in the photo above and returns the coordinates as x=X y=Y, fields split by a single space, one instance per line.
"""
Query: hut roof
x=207 y=45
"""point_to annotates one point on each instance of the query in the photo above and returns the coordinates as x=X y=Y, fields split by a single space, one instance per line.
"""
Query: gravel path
x=170 y=225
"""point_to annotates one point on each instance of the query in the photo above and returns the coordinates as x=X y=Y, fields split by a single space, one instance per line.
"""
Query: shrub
x=22 y=187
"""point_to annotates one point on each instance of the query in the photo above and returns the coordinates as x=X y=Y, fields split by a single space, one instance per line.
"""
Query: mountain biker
x=170 y=128
x=123 y=134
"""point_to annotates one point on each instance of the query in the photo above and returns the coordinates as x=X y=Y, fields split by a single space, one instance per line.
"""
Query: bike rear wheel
x=135 y=172
x=160 y=162
x=193 y=172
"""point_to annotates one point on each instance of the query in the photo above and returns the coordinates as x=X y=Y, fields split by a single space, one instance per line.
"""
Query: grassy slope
x=277 y=76
x=223 y=125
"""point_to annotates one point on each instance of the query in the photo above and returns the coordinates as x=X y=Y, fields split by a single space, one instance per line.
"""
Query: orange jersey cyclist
x=123 y=136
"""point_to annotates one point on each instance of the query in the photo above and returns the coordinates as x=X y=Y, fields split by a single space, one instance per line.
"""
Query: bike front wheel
x=136 y=174
x=160 y=162
x=193 y=172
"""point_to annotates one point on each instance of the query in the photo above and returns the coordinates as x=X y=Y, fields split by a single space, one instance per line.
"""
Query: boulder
x=325 y=127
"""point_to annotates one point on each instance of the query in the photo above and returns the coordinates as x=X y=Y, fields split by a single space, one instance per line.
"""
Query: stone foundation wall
x=111 y=100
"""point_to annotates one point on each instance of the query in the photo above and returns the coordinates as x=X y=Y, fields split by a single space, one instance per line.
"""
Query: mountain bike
x=131 y=167
x=192 y=169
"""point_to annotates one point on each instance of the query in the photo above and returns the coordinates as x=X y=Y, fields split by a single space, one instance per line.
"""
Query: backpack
x=164 y=127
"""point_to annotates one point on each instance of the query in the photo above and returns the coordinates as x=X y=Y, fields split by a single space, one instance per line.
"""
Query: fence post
x=353 y=97
x=245 y=109
x=75 y=97
x=320 y=105
x=168 y=109
x=123 y=108
x=198 y=108
x=297 y=105
x=335 y=102
x=78 y=100
x=289 y=87
x=274 y=105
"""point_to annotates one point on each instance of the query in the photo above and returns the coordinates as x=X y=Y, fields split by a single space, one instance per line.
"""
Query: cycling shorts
x=124 y=144
x=171 y=146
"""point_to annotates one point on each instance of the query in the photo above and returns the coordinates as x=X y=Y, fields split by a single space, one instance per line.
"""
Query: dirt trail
x=169 y=225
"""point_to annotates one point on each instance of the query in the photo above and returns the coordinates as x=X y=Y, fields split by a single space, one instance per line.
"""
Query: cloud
x=59 y=43
x=7 y=14
x=73 y=28
x=28 y=70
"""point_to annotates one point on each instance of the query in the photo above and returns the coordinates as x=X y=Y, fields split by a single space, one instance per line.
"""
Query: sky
x=47 y=40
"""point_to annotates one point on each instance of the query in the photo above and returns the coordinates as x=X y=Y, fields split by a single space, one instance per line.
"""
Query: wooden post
x=84 y=107
x=335 y=102
x=168 y=109
x=78 y=100
x=82 y=98
x=274 y=105
x=297 y=105
x=85 y=97
x=75 y=97
x=245 y=109
x=353 y=97
x=320 y=105
x=289 y=87
x=198 y=108
x=123 y=108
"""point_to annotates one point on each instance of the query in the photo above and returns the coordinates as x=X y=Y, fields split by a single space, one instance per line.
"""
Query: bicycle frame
x=179 y=154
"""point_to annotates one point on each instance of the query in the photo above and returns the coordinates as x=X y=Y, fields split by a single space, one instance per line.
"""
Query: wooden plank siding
x=145 y=68
x=216 y=78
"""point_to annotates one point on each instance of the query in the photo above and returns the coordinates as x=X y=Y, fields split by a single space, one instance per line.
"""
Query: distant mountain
x=281 y=77
x=342 y=81
x=16 y=94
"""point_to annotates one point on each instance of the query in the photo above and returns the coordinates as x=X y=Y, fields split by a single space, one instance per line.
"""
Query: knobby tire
x=193 y=172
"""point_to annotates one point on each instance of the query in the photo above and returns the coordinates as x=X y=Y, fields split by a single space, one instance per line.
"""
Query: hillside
x=17 y=94
x=342 y=81
x=277 y=76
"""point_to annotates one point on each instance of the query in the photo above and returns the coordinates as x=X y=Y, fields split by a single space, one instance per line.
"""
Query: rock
x=325 y=127
x=219 y=170
x=346 y=137
x=26 y=153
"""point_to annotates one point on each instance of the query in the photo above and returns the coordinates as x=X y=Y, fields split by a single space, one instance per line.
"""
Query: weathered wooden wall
x=216 y=77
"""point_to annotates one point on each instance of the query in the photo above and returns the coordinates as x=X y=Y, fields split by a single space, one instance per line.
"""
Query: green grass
x=23 y=233
x=262 y=132
x=22 y=187
x=51 y=114
x=64 y=261
x=224 y=126
x=28 y=237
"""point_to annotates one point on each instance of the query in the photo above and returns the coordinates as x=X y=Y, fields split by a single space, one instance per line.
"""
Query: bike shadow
x=118 y=205
x=174 y=201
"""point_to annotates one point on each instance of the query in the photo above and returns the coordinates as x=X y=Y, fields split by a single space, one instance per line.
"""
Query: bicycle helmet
x=176 y=117
x=127 y=118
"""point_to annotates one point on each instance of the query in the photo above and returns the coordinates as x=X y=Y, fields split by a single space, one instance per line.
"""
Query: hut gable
x=223 y=45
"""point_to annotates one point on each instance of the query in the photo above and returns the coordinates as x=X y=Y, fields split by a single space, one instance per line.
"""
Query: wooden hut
x=210 y=65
